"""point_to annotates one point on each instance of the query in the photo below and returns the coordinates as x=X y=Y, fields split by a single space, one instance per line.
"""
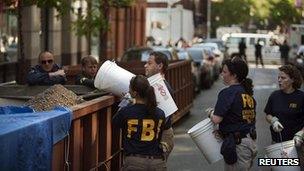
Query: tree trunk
x=103 y=38
x=89 y=36
x=22 y=65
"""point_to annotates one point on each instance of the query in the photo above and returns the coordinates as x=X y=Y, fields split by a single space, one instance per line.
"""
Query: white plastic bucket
x=202 y=135
x=112 y=78
x=163 y=96
x=274 y=151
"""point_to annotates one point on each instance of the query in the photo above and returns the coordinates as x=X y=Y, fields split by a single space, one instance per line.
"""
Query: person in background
x=242 y=49
x=235 y=112
x=258 y=53
x=89 y=71
x=158 y=63
x=284 y=49
x=46 y=72
x=284 y=108
x=142 y=124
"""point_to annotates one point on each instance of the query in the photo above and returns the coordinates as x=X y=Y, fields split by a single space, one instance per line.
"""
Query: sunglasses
x=47 y=61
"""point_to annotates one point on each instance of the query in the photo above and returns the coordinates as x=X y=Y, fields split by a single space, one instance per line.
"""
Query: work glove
x=276 y=125
x=299 y=138
x=210 y=112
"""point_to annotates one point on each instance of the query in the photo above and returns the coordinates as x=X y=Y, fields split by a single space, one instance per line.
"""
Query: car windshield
x=166 y=52
x=219 y=43
x=136 y=55
x=196 y=54
x=182 y=55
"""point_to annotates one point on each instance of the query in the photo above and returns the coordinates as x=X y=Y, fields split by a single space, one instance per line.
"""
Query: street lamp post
x=208 y=18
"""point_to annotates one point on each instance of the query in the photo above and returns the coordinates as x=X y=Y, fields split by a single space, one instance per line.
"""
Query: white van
x=270 y=52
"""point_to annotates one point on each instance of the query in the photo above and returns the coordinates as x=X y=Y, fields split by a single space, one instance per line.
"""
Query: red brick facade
x=127 y=29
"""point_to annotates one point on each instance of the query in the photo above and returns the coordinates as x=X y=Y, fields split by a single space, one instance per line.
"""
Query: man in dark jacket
x=284 y=49
x=242 y=49
x=258 y=53
x=46 y=72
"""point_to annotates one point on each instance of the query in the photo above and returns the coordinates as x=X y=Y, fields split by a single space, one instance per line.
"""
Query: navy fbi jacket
x=141 y=131
x=37 y=76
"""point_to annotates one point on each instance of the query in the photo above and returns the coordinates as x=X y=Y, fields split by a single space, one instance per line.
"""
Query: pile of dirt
x=56 y=95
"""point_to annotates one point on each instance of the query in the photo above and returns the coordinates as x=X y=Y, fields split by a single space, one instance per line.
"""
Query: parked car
x=142 y=53
x=204 y=63
x=216 y=53
x=219 y=42
x=195 y=70
x=169 y=52
x=136 y=54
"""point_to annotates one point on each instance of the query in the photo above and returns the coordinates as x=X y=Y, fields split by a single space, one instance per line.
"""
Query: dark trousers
x=284 y=60
x=257 y=57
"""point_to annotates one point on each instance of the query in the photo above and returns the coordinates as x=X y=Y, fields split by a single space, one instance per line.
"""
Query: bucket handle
x=283 y=153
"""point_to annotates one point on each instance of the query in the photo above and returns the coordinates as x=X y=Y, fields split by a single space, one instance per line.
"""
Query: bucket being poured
x=163 y=96
x=209 y=145
x=112 y=78
x=285 y=149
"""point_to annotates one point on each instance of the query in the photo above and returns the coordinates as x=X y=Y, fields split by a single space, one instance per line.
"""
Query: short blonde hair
x=88 y=60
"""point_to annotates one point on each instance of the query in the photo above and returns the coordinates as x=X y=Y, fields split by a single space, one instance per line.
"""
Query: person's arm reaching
x=275 y=123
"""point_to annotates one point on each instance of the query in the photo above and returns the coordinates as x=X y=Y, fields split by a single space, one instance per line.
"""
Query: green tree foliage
x=265 y=14
x=96 y=19
x=230 y=12
x=283 y=12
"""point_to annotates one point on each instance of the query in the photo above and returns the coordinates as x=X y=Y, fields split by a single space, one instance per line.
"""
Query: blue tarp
x=26 y=139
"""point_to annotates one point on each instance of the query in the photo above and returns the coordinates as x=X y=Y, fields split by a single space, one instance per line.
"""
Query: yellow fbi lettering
x=247 y=101
x=132 y=123
x=148 y=127
x=248 y=115
x=293 y=105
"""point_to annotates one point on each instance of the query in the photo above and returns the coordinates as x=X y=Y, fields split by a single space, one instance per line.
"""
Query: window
x=263 y=40
x=234 y=40
x=251 y=41
x=8 y=34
